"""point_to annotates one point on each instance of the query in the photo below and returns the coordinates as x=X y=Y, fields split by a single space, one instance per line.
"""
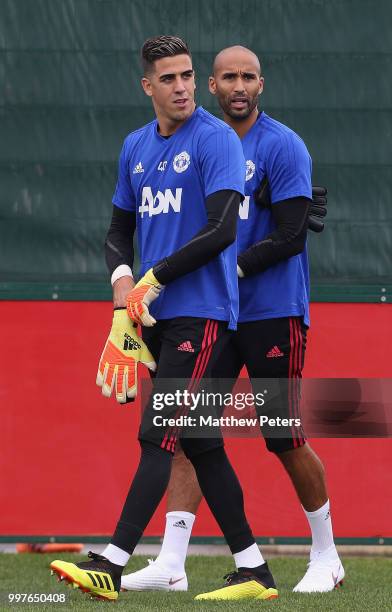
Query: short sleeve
x=124 y=196
x=222 y=161
x=289 y=168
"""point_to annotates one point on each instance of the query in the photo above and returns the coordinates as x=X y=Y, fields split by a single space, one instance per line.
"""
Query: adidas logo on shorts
x=186 y=346
x=275 y=352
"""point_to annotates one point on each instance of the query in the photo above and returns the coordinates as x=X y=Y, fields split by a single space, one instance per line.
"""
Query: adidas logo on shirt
x=138 y=169
x=275 y=352
x=181 y=524
x=186 y=346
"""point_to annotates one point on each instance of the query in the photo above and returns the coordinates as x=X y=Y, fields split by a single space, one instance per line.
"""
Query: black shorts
x=270 y=349
x=184 y=348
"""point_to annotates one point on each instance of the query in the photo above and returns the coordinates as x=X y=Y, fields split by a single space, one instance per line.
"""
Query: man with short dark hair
x=180 y=183
x=273 y=320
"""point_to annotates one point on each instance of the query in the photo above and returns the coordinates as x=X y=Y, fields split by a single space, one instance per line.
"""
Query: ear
x=146 y=84
x=212 y=85
x=261 y=85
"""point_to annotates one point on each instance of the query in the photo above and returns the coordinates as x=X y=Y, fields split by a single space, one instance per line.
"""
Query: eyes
x=246 y=76
x=169 y=78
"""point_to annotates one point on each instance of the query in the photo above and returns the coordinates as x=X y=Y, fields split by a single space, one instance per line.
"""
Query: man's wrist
x=122 y=286
x=120 y=271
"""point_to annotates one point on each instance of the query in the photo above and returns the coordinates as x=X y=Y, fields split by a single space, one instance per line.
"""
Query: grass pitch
x=368 y=586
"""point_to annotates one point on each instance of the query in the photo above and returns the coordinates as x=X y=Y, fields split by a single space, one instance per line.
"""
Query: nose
x=179 y=86
x=239 y=85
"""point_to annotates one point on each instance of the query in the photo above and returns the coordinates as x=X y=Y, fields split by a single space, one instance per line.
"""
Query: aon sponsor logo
x=161 y=202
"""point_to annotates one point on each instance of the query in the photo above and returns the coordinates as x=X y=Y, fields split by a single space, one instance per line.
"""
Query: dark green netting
x=69 y=94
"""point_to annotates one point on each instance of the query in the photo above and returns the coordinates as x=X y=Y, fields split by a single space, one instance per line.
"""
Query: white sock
x=116 y=555
x=176 y=540
x=321 y=527
x=250 y=557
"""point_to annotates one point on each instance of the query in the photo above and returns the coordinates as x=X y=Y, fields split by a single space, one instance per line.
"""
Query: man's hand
x=138 y=300
x=121 y=287
x=124 y=349
x=318 y=207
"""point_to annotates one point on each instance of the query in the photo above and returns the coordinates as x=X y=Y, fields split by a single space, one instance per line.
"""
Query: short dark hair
x=161 y=46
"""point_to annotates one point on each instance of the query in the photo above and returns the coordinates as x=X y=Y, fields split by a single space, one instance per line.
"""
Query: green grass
x=368 y=586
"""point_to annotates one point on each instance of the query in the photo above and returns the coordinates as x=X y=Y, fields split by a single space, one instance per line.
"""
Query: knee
x=179 y=454
x=196 y=447
x=285 y=446
x=151 y=451
x=303 y=455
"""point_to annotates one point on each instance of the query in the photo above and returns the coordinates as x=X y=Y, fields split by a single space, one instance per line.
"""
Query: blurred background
x=69 y=94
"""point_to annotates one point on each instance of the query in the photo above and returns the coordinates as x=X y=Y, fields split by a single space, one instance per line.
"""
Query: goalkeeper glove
x=124 y=349
x=318 y=207
x=138 y=300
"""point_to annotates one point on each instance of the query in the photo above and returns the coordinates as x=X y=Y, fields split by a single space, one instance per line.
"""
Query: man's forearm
x=119 y=242
x=214 y=237
x=289 y=238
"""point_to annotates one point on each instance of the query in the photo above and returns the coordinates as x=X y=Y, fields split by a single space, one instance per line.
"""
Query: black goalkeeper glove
x=318 y=207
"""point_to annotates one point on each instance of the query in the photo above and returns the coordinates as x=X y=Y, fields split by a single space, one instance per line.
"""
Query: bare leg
x=302 y=465
x=307 y=475
x=306 y=472
x=183 y=492
x=183 y=499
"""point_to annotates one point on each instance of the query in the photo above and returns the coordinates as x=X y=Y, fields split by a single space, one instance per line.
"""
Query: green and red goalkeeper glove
x=124 y=349
x=138 y=300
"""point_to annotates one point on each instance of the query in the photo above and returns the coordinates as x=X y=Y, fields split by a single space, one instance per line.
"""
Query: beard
x=238 y=114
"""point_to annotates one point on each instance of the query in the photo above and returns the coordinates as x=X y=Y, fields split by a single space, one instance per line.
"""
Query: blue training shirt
x=166 y=182
x=283 y=290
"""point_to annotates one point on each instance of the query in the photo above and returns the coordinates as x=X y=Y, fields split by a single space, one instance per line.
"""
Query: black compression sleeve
x=291 y=218
x=226 y=501
x=119 y=239
x=216 y=235
x=145 y=493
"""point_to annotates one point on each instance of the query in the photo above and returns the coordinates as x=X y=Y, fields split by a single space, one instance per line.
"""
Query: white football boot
x=154 y=577
x=325 y=573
